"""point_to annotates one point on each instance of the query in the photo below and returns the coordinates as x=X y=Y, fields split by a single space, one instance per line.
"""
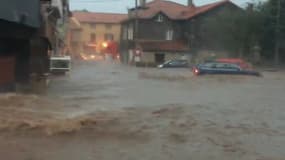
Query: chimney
x=250 y=7
x=131 y=13
x=142 y=3
x=191 y=3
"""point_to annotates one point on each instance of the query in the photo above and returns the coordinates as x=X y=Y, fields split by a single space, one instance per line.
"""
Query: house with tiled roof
x=161 y=30
x=89 y=30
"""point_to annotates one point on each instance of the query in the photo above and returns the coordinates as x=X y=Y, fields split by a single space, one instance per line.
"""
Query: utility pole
x=136 y=21
x=136 y=31
x=277 y=32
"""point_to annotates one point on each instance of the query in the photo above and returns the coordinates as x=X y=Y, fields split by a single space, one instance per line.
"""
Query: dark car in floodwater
x=222 y=68
x=175 y=64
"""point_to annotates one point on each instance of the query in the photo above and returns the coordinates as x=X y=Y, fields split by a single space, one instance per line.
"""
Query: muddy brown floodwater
x=109 y=111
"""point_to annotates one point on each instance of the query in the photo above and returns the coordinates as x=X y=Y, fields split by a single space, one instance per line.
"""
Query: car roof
x=214 y=62
x=219 y=63
x=231 y=60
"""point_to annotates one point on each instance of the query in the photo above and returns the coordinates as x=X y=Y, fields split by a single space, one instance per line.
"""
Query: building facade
x=31 y=29
x=19 y=21
x=162 y=30
x=89 y=31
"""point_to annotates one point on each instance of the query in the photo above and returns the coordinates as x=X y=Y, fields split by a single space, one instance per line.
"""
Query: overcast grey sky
x=121 y=6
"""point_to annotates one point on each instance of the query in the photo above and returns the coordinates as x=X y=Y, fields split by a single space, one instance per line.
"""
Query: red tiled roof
x=92 y=17
x=176 y=11
x=202 y=9
x=166 y=46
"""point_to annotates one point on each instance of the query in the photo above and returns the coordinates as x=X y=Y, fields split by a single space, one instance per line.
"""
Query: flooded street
x=109 y=111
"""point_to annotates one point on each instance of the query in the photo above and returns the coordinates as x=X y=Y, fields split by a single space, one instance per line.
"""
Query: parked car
x=174 y=64
x=222 y=68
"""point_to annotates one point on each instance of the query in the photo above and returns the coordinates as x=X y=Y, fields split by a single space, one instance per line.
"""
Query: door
x=7 y=73
x=159 y=58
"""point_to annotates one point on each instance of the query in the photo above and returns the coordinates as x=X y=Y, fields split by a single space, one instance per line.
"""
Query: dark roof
x=163 y=46
x=203 y=9
x=170 y=9
x=176 y=11
x=92 y=17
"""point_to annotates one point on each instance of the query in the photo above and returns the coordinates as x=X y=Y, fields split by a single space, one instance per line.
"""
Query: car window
x=210 y=65
x=233 y=66
x=182 y=62
x=221 y=65
x=167 y=62
x=175 y=62
x=171 y=62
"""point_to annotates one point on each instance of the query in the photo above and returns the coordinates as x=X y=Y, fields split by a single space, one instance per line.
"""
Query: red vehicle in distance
x=240 y=62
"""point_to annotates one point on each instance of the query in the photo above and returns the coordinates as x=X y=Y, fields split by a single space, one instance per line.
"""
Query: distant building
x=162 y=30
x=89 y=31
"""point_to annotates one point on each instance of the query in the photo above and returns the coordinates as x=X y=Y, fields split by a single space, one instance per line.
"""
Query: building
x=161 y=30
x=19 y=21
x=50 y=38
x=29 y=33
x=89 y=31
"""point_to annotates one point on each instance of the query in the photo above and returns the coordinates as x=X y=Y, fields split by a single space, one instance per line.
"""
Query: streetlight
x=105 y=44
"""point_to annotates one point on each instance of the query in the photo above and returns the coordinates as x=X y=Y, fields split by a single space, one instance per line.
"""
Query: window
x=169 y=35
x=108 y=26
x=130 y=33
x=92 y=37
x=109 y=37
x=93 y=25
x=75 y=35
x=159 y=18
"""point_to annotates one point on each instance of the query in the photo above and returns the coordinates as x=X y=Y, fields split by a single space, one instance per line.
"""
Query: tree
x=261 y=24
x=273 y=28
x=234 y=31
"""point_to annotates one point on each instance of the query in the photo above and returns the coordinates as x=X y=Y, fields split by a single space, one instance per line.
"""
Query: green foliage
x=238 y=31
x=270 y=29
